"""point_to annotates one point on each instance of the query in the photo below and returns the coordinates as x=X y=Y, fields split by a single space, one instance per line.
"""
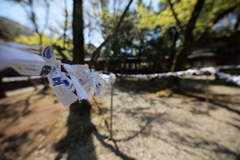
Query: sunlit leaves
x=34 y=40
x=183 y=9
x=165 y=18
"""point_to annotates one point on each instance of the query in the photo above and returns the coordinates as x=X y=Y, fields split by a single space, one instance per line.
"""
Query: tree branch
x=97 y=51
x=215 y=21
x=65 y=24
x=195 y=14
x=32 y=16
x=175 y=16
x=236 y=24
x=47 y=15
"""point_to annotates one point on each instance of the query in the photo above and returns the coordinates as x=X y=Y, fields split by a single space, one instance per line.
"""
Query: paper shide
x=80 y=80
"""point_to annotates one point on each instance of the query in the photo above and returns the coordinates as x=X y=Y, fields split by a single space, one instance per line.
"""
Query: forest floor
x=35 y=126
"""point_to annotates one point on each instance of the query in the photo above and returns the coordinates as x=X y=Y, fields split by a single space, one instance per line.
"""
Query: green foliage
x=128 y=41
x=212 y=13
x=32 y=40
x=165 y=19
x=164 y=93
x=35 y=40
x=89 y=48
x=212 y=8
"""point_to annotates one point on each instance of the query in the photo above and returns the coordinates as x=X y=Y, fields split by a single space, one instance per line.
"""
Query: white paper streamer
x=56 y=79
x=23 y=62
x=81 y=92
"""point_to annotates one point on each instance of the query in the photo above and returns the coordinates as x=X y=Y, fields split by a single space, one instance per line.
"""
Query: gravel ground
x=173 y=128
x=145 y=127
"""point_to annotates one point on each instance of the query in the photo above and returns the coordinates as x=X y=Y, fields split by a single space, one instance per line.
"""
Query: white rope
x=229 y=78
x=17 y=79
x=201 y=71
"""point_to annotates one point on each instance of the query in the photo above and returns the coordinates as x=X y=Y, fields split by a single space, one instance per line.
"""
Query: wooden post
x=2 y=90
x=33 y=83
x=206 y=94
x=111 y=113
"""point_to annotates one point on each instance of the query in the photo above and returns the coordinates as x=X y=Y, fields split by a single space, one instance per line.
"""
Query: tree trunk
x=158 y=53
x=41 y=41
x=188 y=41
x=173 y=51
x=181 y=56
x=236 y=24
x=2 y=90
x=78 y=38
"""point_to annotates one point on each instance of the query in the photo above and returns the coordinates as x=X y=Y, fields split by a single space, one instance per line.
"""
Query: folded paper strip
x=81 y=79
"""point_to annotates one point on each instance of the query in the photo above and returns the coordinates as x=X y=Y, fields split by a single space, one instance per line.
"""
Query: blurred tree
x=62 y=44
x=111 y=34
x=67 y=46
x=46 y=40
x=193 y=19
x=89 y=48
x=10 y=29
x=122 y=44
x=29 y=7
x=78 y=37
x=127 y=41
x=188 y=37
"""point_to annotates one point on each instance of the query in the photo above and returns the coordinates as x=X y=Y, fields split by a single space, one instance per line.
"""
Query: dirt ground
x=35 y=126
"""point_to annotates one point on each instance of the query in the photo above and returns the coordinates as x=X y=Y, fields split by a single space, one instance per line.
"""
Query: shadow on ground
x=78 y=143
x=10 y=114
x=138 y=85
x=194 y=94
